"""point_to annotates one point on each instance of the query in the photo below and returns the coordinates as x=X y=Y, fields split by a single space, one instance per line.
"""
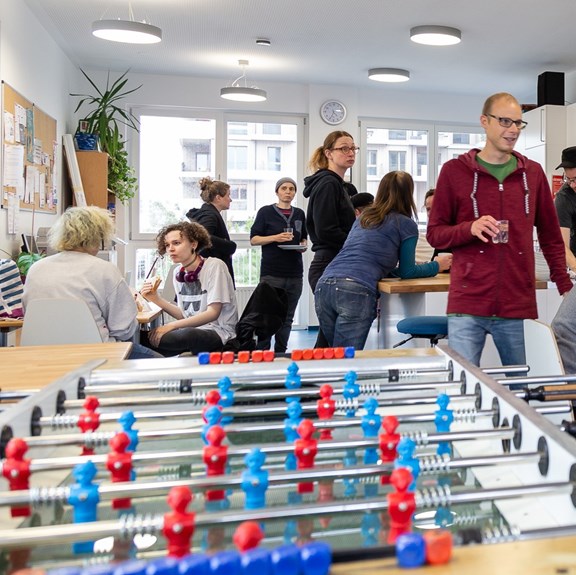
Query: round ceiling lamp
x=388 y=75
x=435 y=35
x=239 y=91
x=127 y=31
x=243 y=94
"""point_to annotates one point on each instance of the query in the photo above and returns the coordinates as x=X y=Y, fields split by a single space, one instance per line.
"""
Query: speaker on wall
x=551 y=88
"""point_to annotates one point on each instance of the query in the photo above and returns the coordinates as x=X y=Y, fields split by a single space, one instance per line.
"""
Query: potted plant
x=101 y=127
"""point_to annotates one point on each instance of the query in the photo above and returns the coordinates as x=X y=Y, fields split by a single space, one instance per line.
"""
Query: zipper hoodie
x=487 y=279
x=330 y=213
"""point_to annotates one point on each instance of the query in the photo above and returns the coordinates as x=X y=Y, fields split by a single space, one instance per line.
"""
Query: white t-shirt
x=99 y=283
x=214 y=285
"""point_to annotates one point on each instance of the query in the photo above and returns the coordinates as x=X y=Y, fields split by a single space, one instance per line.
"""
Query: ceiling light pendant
x=127 y=31
x=243 y=93
x=435 y=35
x=388 y=75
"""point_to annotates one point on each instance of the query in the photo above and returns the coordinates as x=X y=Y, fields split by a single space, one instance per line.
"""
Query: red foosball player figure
x=401 y=503
x=388 y=443
x=16 y=470
x=89 y=420
x=215 y=456
x=119 y=464
x=179 y=524
x=305 y=450
x=325 y=409
x=247 y=536
x=212 y=400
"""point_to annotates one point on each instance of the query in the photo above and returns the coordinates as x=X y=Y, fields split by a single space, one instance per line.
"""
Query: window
x=397 y=160
x=237 y=157
x=175 y=151
x=371 y=161
x=256 y=180
x=421 y=161
x=272 y=129
x=461 y=139
x=274 y=158
x=202 y=162
x=382 y=156
x=420 y=148
x=238 y=128
x=397 y=134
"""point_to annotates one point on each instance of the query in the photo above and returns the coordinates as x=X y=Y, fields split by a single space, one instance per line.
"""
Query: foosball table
x=288 y=462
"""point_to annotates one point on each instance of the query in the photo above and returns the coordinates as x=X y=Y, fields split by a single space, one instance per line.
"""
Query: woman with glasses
x=216 y=197
x=381 y=242
x=330 y=212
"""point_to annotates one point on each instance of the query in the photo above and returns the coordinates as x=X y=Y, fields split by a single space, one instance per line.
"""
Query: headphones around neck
x=189 y=277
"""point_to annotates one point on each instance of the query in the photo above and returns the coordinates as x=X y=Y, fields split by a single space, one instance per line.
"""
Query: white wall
x=33 y=64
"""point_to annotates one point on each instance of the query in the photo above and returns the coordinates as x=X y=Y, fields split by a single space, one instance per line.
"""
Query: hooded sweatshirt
x=222 y=246
x=487 y=279
x=330 y=213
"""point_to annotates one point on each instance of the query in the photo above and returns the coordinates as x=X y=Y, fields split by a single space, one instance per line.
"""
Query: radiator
x=242 y=296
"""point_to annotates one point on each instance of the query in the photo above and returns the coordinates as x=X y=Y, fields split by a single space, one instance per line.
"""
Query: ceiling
x=505 y=44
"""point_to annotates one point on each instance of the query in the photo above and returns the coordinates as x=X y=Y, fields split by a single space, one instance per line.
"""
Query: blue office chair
x=431 y=327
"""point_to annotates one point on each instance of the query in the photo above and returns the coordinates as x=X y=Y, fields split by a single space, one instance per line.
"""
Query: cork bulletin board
x=28 y=153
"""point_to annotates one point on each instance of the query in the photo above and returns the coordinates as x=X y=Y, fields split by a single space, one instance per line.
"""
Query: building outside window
x=274 y=158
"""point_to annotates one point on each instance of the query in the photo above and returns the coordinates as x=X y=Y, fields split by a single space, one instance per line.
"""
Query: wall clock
x=333 y=112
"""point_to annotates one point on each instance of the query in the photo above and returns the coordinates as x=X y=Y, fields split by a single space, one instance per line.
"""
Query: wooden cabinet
x=94 y=173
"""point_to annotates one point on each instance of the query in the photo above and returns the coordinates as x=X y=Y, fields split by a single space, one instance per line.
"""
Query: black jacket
x=330 y=212
x=222 y=247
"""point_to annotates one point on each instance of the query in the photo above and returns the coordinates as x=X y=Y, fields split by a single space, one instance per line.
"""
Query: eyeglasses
x=507 y=122
x=567 y=180
x=347 y=149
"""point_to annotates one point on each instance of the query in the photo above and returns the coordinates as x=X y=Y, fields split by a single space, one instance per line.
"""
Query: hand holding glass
x=502 y=236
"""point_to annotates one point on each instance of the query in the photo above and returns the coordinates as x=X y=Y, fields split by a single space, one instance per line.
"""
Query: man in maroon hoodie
x=486 y=205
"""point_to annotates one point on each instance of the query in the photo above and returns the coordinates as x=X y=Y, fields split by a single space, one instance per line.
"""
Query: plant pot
x=86 y=141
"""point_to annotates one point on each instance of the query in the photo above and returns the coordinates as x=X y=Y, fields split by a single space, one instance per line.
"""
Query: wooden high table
x=542 y=557
x=33 y=367
x=407 y=298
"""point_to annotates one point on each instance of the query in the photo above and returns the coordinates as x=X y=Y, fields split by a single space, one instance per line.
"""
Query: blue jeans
x=467 y=336
x=293 y=288
x=345 y=310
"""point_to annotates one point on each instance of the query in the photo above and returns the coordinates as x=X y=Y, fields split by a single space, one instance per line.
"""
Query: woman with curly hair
x=205 y=309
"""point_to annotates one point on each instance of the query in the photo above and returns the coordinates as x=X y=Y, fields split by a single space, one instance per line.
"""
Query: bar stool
x=431 y=327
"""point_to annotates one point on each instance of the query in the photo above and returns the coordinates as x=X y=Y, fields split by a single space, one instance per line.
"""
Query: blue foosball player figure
x=351 y=390
x=370 y=528
x=226 y=396
x=370 y=426
x=127 y=421
x=255 y=480
x=291 y=423
x=293 y=380
x=84 y=498
x=213 y=416
x=405 y=449
x=443 y=419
